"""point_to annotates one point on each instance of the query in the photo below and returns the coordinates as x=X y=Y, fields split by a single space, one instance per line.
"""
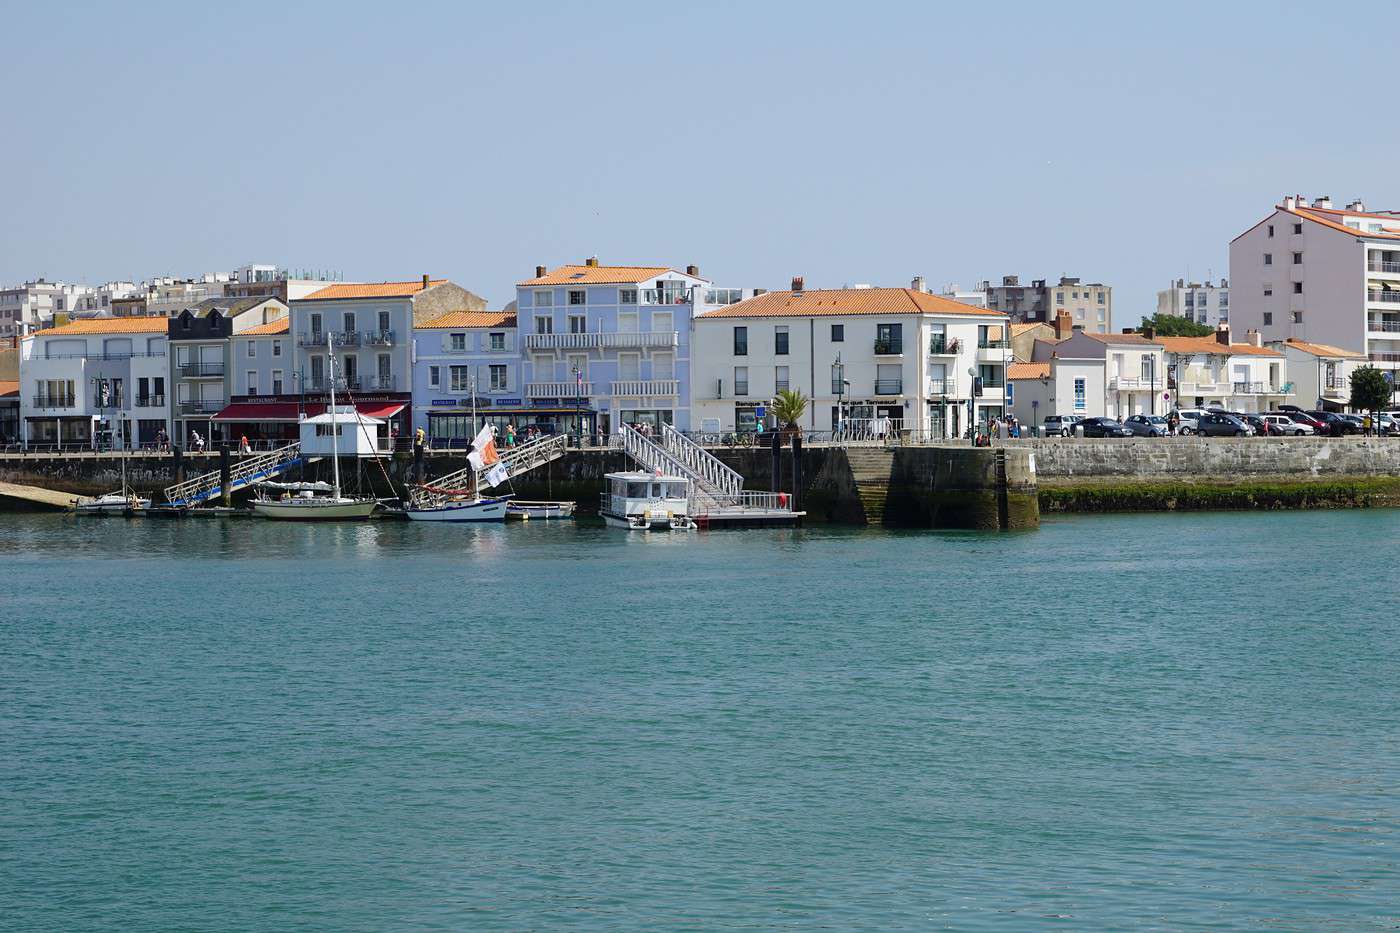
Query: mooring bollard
x=796 y=472
x=224 y=481
x=775 y=441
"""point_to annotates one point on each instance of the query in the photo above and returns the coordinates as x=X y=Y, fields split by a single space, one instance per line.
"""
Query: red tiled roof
x=275 y=327
x=471 y=319
x=1131 y=339
x=371 y=290
x=598 y=275
x=1028 y=371
x=841 y=301
x=1324 y=350
x=110 y=325
x=8 y=388
x=1211 y=345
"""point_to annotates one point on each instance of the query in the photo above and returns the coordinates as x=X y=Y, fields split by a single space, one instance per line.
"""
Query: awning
x=491 y=412
x=290 y=412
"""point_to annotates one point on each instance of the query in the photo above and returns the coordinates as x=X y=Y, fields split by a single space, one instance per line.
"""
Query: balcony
x=943 y=387
x=889 y=386
x=1391 y=358
x=992 y=386
x=888 y=347
x=1379 y=265
x=635 y=387
x=1381 y=296
x=990 y=344
x=1250 y=388
x=200 y=370
x=314 y=338
x=1133 y=384
x=377 y=338
x=55 y=401
x=379 y=383
x=559 y=390
x=1383 y=327
x=114 y=402
x=202 y=406
x=657 y=340
x=150 y=401
x=665 y=296
x=940 y=345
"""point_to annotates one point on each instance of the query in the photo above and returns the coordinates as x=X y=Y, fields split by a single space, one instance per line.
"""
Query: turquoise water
x=1171 y=721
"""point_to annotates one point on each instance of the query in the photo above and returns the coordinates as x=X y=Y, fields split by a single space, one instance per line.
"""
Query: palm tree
x=789 y=405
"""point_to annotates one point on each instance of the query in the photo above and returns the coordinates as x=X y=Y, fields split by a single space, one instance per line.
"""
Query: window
x=252 y=349
x=1297 y=228
x=780 y=379
x=889 y=338
x=434 y=376
x=461 y=378
x=838 y=333
x=498 y=341
x=381 y=369
x=1147 y=369
x=1297 y=259
x=578 y=324
x=252 y=382
x=780 y=340
x=1297 y=317
x=277 y=382
x=1268 y=317
x=1297 y=288
x=316 y=324
x=1100 y=297
x=1268 y=291
x=544 y=299
x=347 y=321
x=663 y=366
x=1271 y=231
x=741 y=380
x=741 y=345
x=498 y=378
x=318 y=371
x=1268 y=259
x=889 y=379
x=383 y=321
x=544 y=325
x=457 y=343
x=276 y=348
x=1059 y=298
x=1079 y=401
x=577 y=296
x=626 y=296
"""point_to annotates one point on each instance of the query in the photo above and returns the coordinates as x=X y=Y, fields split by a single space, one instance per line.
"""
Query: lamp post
x=972 y=404
x=838 y=376
x=578 y=403
x=99 y=384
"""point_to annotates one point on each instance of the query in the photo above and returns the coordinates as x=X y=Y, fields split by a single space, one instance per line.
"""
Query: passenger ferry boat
x=646 y=502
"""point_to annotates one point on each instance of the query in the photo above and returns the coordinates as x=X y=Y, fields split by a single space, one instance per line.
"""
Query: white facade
x=1320 y=374
x=89 y=383
x=1204 y=303
x=1324 y=275
x=1210 y=372
x=1059 y=386
x=30 y=306
x=903 y=355
x=1134 y=375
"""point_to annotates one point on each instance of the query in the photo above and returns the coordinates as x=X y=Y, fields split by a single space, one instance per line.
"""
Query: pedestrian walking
x=510 y=434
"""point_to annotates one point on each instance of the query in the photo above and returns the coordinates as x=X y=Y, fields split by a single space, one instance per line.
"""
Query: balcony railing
x=114 y=402
x=55 y=401
x=990 y=344
x=377 y=338
x=889 y=386
x=1379 y=265
x=559 y=390
x=646 y=387
x=888 y=347
x=1335 y=382
x=661 y=339
x=1384 y=357
x=345 y=338
x=200 y=370
x=1132 y=382
x=940 y=345
x=379 y=383
x=313 y=338
x=665 y=296
x=202 y=406
x=150 y=401
x=943 y=387
x=992 y=386
x=1382 y=296
x=1389 y=327
x=1249 y=388
x=98 y=357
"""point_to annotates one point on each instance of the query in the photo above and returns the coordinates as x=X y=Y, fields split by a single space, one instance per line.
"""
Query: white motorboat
x=646 y=502
x=460 y=510
x=113 y=503
x=522 y=510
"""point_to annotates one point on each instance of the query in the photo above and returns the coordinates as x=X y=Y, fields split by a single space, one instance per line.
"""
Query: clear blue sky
x=850 y=143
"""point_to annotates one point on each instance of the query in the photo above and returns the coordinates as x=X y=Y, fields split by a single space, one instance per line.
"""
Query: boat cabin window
x=672 y=490
x=637 y=490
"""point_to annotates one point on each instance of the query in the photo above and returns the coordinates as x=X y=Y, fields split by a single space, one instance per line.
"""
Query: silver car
x=1059 y=425
x=1288 y=426
x=1147 y=425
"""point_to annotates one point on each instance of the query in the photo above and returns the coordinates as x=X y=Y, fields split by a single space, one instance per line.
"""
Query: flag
x=497 y=475
x=483 y=453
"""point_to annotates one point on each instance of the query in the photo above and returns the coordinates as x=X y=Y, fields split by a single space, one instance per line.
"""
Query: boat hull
x=525 y=511
x=111 y=505
x=476 y=510
x=314 y=510
x=647 y=522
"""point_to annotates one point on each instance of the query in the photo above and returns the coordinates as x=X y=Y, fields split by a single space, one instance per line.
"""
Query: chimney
x=1222 y=334
x=425 y=280
x=1290 y=202
x=1324 y=202
x=540 y=271
x=918 y=283
x=1062 y=325
x=1149 y=332
x=591 y=261
x=1254 y=338
x=1357 y=206
x=693 y=271
x=797 y=283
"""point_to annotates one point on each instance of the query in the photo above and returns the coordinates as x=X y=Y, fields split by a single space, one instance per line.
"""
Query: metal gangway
x=712 y=484
x=243 y=473
x=516 y=460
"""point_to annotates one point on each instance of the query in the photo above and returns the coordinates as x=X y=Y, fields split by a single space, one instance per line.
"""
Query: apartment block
x=1201 y=302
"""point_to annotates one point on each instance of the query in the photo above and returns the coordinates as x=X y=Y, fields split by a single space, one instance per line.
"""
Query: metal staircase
x=242 y=473
x=517 y=460
x=710 y=472
x=712 y=484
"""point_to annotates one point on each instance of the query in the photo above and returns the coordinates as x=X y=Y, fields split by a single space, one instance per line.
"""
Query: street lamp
x=99 y=384
x=578 y=402
x=972 y=404
x=838 y=376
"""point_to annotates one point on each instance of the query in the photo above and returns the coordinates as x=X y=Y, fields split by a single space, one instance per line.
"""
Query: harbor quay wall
x=1220 y=459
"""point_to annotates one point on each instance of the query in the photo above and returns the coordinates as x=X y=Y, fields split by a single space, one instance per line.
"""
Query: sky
x=848 y=143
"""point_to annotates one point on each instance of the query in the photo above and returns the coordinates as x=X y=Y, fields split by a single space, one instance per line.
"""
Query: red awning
x=288 y=411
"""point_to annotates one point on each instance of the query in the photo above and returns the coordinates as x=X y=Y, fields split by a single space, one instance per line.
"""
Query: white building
x=1133 y=380
x=1089 y=304
x=1204 y=303
x=1057 y=386
x=1320 y=374
x=30 y=306
x=96 y=382
x=897 y=353
x=1323 y=275
x=1213 y=372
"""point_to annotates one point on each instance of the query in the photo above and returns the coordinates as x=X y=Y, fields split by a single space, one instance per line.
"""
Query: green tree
x=789 y=405
x=1171 y=325
x=1370 y=390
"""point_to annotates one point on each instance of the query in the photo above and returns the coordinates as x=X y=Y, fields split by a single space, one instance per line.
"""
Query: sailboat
x=123 y=502
x=438 y=503
x=306 y=505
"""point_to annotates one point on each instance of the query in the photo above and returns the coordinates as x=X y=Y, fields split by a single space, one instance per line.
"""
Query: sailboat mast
x=335 y=425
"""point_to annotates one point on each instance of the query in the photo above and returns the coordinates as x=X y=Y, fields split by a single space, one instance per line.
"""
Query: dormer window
x=185 y=321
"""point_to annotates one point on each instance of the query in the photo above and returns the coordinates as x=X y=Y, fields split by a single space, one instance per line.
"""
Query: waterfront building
x=1204 y=303
x=9 y=412
x=98 y=382
x=924 y=362
x=1320 y=374
x=1057 y=386
x=202 y=366
x=269 y=281
x=1133 y=377
x=1089 y=304
x=1213 y=372
x=1322 y=275
x=31 y=306
x=1022 y=303
x=465 y=357
x=1024 y=336
x=610 y=344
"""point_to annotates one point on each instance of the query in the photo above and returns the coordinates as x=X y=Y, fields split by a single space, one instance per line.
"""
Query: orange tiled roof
x=371 y=290
x=471 y=319
x=110 y=325
x=1211 y=345
x=1324 y=350
x=275 y=327
x=1019 y=329
x=598 y=275
x=9 y=388
x=1318 y=215
x=1124 y=338
x=833 y=301
x=1028 y=371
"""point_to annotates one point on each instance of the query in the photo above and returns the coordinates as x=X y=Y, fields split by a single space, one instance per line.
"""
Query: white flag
x=496 y=475
x=483 y=455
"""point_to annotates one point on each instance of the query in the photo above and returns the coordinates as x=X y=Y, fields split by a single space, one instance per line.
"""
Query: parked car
x=1222 y=424
x=1103 y=427
x=1286 y=425
x=1260 y=426
x=1389 y=424
x=1146 y=425
x=1059 y=425
x=1187 y=418
x=1298 y=416
x=1334 y=425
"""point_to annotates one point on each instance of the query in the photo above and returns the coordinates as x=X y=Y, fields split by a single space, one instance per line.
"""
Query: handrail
x=709 y=468
x=516 y=460
x=240 y=472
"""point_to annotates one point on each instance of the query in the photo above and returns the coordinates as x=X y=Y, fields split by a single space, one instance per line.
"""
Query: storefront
x=653 y=418
x=276 y=422
x=455 y=427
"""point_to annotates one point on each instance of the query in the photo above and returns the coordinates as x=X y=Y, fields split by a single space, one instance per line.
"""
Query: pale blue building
x=461 y=357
